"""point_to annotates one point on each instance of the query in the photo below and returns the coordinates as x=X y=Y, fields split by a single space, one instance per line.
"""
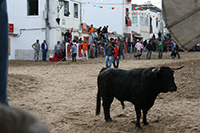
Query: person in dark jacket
x=149 y=49
x=44 y=48
x=98 y=31
x=121 y=49
x=67 y=36
x=109 y=54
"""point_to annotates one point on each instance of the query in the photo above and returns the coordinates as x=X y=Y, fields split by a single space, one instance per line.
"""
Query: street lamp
x=59 y=7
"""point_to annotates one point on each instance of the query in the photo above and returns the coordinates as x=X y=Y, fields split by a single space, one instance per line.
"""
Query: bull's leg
x=138 y=114
x=145 y=117
x=106 y=106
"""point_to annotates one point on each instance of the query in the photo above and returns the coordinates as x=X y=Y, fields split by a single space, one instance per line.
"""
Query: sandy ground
x=63 y=96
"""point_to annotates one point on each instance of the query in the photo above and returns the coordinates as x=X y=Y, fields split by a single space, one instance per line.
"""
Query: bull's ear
x=156 y=70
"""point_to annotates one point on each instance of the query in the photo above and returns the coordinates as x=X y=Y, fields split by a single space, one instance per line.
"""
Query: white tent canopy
x=182 y=18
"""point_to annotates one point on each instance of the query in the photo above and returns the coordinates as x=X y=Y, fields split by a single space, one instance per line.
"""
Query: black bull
x=139 y=86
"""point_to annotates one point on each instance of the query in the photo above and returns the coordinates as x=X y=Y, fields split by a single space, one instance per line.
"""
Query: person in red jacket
x=116 y=56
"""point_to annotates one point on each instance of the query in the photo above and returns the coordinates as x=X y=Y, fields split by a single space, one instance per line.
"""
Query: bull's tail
x=98 y=106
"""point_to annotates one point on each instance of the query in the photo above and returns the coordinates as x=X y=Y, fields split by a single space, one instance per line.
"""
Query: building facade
x=43 y=20
x=110 y=13
x=147 y=20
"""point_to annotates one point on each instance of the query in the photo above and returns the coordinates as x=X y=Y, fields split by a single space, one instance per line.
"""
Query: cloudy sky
x=154 y=2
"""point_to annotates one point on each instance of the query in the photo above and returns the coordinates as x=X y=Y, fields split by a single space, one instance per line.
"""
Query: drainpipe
x=47 y=25
x=80 y=18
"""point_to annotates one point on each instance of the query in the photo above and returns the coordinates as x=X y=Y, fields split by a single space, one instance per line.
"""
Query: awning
x=136 y=35
x=114 y=34
x=182 y=19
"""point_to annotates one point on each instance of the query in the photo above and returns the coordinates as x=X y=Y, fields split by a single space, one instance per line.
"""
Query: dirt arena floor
x=63 y=96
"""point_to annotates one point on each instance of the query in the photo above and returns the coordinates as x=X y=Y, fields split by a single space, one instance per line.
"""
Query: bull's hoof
x=138 y=128
x=109 y=120
x=146 y=123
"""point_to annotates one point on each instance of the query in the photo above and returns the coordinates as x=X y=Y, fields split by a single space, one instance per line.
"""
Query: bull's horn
x=176 y=68
x=155 y=70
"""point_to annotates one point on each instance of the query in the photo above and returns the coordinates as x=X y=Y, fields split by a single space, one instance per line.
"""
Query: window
x=146 y=21
x=75 y=10
x=66 y=8
x=142 y=20
x=135 y=20
x=32 y=6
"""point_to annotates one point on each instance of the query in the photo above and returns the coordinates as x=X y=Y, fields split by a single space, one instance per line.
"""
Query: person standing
x=96 y=48
x=177 y=53
x=105 y=31
x=57 y=49
x=159 y=35
x=44 y=48
x=116 y=56
x=92 y=48
x=129 y=46
x=85 y=52
x=102 y=48
x=63 y=50
x=109 y=53
x=165 y=46
x=98 y=31
x=3 y=53
x=173 y=54
x=91 y=31
x=74 y=52
x=145 y=45
x=149 y=49
x=121 y=49
x=36 y=47
x=160 y=49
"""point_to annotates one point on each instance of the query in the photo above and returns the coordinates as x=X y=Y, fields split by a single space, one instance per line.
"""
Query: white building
x=147 y=20
x=107 y=12
x=38 y=19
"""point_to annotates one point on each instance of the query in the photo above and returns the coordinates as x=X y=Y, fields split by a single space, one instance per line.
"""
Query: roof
x=147 y=6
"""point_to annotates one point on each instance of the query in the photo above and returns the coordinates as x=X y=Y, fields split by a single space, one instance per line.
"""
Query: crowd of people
x=110 y=48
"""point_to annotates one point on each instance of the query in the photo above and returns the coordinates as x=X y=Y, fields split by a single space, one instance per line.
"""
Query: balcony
x=127 y=29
